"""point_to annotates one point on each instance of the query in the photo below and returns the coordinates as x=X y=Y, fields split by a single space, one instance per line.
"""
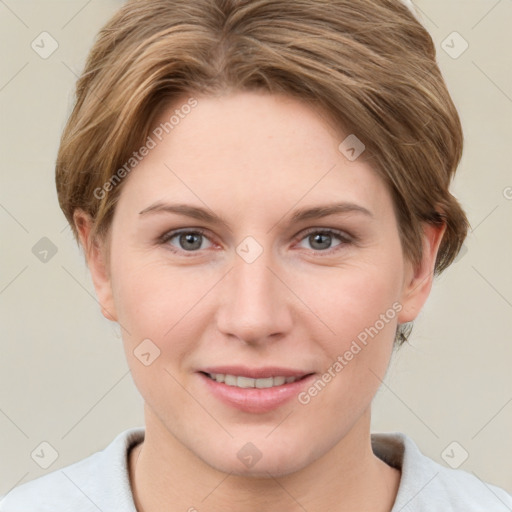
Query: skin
x=254 y=159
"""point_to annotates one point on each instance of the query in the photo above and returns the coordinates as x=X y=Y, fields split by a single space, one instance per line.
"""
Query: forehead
x=251 y=151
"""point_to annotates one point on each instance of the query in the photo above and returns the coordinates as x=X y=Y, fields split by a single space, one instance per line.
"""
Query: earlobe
x=95 y=254
x=419 y=279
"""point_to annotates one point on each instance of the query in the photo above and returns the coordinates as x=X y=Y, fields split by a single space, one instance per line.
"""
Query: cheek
x=152 y=309
x=147 y=295
x=160 y=302
x=356 y=298
x=363 y=314
x=362 y=309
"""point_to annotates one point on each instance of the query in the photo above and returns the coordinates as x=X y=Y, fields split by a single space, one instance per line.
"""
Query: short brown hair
x=371 y=66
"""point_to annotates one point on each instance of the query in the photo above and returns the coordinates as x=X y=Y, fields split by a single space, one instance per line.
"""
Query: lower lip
x=255 y=400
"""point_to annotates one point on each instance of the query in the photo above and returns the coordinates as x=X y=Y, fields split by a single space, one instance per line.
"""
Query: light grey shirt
x=101 y=482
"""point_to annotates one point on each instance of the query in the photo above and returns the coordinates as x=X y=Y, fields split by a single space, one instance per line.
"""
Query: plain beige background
x=63 y=375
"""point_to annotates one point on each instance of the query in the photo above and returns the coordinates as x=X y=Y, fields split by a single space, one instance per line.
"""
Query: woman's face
x=249 y=284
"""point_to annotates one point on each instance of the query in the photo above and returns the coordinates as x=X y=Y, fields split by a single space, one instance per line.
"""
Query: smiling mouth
x=240 y=381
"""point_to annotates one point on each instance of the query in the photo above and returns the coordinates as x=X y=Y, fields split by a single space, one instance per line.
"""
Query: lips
x=254 y=390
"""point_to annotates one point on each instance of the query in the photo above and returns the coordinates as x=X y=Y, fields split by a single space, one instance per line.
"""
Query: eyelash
x=344 y=238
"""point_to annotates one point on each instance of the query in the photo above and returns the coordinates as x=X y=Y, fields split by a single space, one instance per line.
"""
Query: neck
x=165 y=474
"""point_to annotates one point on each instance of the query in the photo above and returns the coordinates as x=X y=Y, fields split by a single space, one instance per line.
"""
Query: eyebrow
x=303 y=214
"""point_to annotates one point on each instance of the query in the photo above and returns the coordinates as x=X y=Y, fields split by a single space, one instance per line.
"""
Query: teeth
x=247 y=382
x=230 y=380
x=278 y=381
x=264 y=383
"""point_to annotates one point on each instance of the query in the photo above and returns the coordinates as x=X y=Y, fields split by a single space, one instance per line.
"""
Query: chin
x=249 y=461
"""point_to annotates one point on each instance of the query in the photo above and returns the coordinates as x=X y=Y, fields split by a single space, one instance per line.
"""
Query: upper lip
x=256 y=373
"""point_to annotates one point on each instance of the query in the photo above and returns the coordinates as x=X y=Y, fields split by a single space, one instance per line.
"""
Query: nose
x=256 y=304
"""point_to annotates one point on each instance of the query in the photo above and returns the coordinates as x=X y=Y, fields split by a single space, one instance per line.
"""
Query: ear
x=96 y=254
x=418 y=280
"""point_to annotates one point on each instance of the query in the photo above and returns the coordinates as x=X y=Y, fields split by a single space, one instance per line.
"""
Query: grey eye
x=187 y=240
x=321 y=240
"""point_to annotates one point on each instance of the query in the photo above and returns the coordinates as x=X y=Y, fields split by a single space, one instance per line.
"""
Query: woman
x=261 y=190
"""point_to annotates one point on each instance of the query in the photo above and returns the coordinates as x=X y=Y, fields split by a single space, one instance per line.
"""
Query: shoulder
x=427 y=485
x=98 y=482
